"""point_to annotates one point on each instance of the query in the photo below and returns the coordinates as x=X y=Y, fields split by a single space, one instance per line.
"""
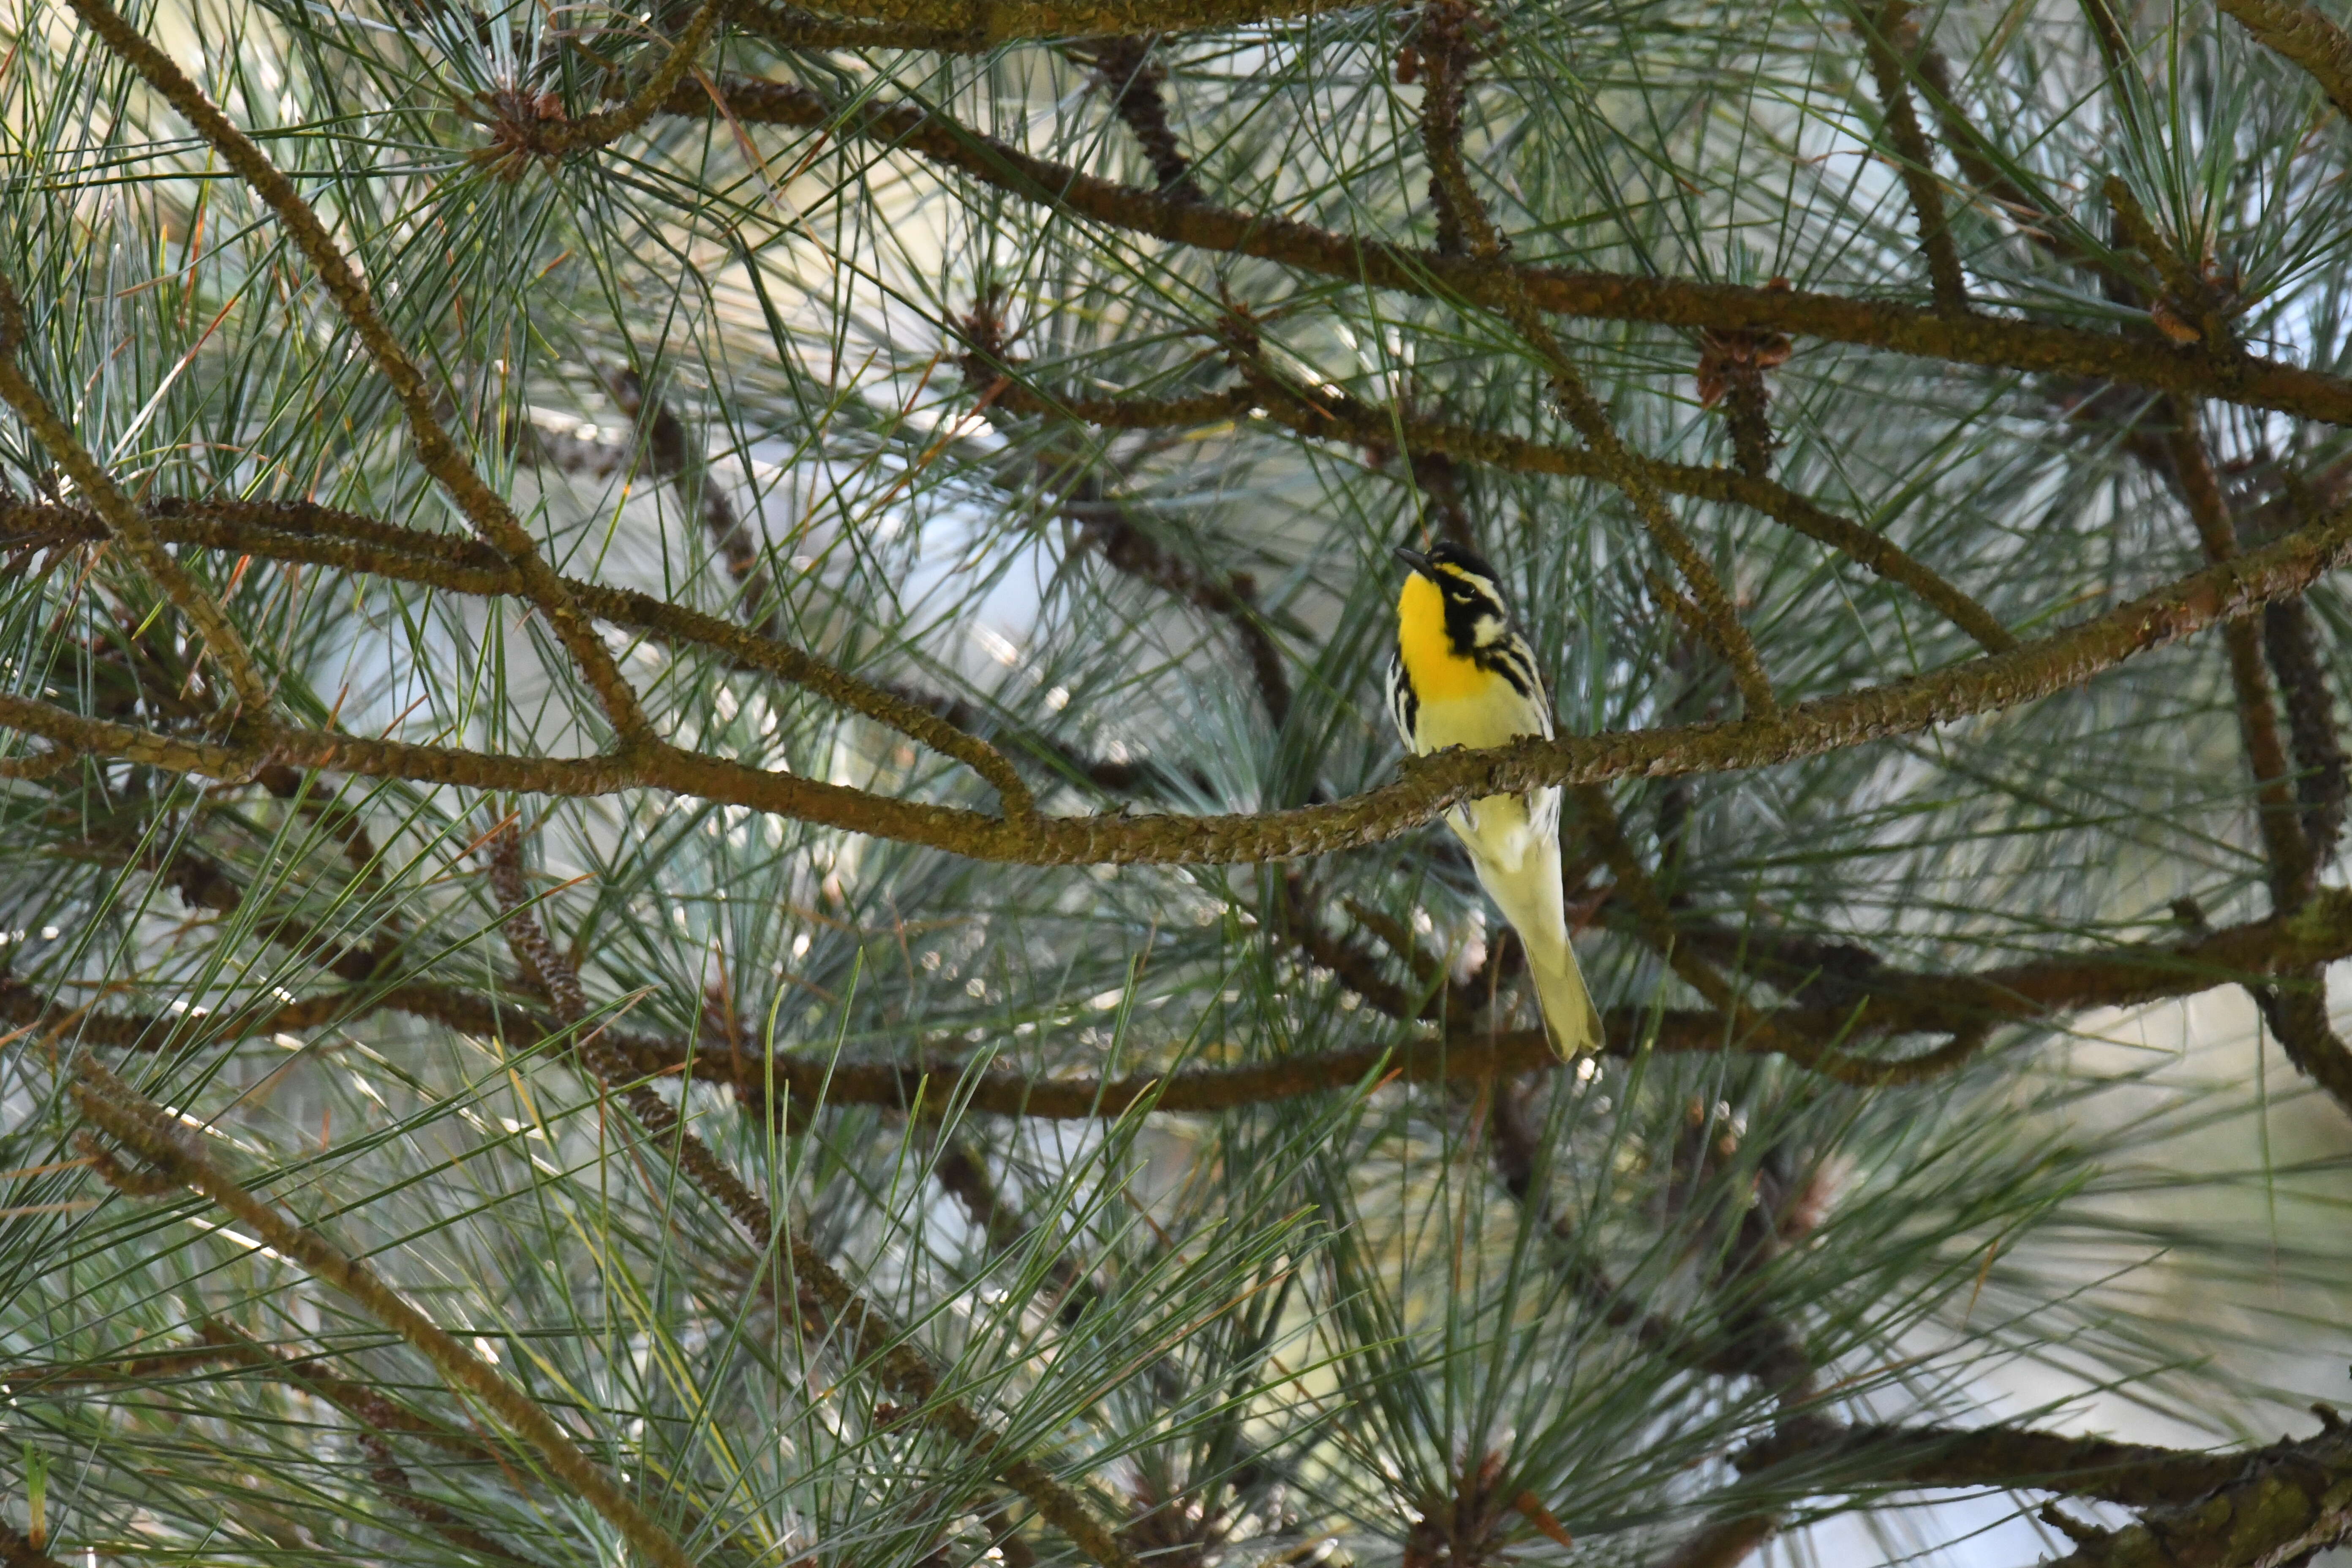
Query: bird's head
x=1451 y=594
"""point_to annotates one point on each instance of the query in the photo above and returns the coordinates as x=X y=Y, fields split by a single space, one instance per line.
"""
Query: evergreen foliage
x=702 y=862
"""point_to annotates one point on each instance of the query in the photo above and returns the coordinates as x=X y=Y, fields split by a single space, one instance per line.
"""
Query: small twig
x=1109 y=525
x=964 y=1173
x=1974 y=153
x=2321 y=770
x=2276 y=813
x=1731 y=367
x=1135 y=83
x=145 y=1129
x=798 y=29
x=17 y=1551
x=519 y=132
x=377 y=1416
x=1443 y=53
x=1724 y=1544
x=672 y=457
x=2190 y=308
x=1429 y=998
x=1886 y=33
x=2295 y=1005
x=1598 y=820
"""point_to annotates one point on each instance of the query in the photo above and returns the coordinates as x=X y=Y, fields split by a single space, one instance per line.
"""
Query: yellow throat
x=1438 y=673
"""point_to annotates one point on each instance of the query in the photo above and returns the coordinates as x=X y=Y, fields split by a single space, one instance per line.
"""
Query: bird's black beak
x=1414 y=559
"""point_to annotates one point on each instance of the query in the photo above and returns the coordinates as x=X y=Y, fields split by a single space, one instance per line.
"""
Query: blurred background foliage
x=809 y=350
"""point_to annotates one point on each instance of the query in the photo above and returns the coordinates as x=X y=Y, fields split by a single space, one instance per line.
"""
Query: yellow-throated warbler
x=1462 y=677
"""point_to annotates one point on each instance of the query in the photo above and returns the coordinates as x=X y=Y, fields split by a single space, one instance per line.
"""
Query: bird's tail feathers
x=1570 y=1016
x=1526 y=889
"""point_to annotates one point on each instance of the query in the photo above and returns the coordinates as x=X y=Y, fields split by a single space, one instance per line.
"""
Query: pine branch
x=492 y=518
x=1108 y=526
x=376 y=1415
x=2277 y=1504
x=1897 y=1003
x=2296 y=1008
x=1441 y=138
x=1884 y=33
x=1136 y=84
x=1724 y=1544
x=996 y=22
x=1991 y=341
x=1330 y=414
x=125 y=521
x=2304 y=36
x=2276 y=817
x=303 y=533
x=521 y=130
x=2218 y=594
x=671 y=456
x=881 y=1345
x=2322 y=786
x=140 y=1126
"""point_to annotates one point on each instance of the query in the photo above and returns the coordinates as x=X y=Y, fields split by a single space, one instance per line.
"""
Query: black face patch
x=1468 y=603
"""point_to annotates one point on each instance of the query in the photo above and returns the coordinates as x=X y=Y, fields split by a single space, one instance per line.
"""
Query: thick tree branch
x=2284 y=568
x=2136 y=1475
x=2233 y=1509
x=672 y=456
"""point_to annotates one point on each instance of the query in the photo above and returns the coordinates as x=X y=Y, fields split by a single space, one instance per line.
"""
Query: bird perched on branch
x=1462 y=677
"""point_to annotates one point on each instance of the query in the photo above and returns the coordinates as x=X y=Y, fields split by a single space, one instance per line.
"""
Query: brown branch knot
x=1732 y=362
x=520 y=125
